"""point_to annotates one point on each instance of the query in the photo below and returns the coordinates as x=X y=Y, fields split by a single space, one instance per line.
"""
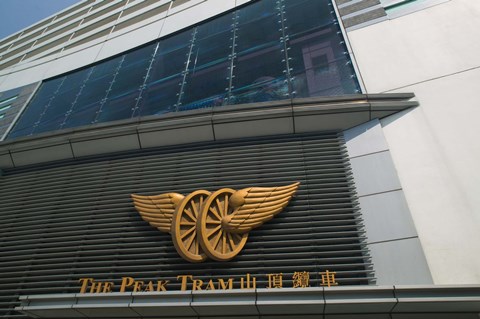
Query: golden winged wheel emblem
x=213 y=225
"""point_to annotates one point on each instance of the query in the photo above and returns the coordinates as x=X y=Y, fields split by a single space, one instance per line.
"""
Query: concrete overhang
x=292 y=116
x=320 y=302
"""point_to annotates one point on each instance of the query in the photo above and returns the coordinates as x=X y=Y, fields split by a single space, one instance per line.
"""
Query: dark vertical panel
x=35 y=110
x=259 y=64
x=125 y=90
x=94 y=94
x=54 y=115
x=165 y=78
x=317 y=53
x=209 y=67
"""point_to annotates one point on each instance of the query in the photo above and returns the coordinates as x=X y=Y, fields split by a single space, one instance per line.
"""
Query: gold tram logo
x=213 y=225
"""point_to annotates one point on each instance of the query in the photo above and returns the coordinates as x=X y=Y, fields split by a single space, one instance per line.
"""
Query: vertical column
x=392 y=239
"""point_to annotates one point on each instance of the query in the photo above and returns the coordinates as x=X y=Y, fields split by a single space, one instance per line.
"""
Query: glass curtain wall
x=268 y=50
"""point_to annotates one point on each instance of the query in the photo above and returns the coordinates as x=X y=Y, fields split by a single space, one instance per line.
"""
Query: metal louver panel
x=75 y=219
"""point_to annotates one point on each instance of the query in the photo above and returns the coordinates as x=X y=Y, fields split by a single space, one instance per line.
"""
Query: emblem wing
x=157 y=210
x=255 y=205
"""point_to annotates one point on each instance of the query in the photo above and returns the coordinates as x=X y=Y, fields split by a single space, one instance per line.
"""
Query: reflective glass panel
x=93 y=94
x=125 y=90
x=259 y=65
x=267 y=50
x=63 y=100
x=318 y=59
x=166 y=76
x=37 y=106
x=207 y=79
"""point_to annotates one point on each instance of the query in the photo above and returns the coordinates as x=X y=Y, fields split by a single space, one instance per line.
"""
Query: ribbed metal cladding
x=75 y=219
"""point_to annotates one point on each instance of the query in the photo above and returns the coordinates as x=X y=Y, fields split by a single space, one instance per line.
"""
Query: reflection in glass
x=207 y=78
x=318 y=58
x=38 y=105
x=94 y=92
x=63 y=99
x=259 y=68
x=125 y=89
x=163 y=85
x=265 y=51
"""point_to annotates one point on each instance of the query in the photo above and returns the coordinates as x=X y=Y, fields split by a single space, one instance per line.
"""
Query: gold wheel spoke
x=224 y=243
x=230 y=240
x=215 y=222
x=185 y=223
x=217 y=240
x=188 y=232
x=219 y=206
x=237 y=236
x=184 y=226
x=190 y=242
x=216 y=229
x=189 y=213
x=194 y=207
x=214 y=211
x=225 y=204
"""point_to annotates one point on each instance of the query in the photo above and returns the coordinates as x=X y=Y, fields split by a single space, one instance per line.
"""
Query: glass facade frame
x=265 y=51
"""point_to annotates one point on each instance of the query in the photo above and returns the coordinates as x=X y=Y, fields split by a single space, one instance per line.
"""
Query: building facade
x=316 y=159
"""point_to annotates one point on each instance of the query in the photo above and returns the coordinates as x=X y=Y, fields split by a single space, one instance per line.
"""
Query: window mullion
x=232 y=55
x=45 y=109
x=284 y=40
x=185 y=72
x=142 y=87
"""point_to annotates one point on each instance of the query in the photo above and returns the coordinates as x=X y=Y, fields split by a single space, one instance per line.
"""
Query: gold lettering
x=197 y=284
x=107 y=286
x=85 y=282
x=222 y=285
x=184 y=281
x=328 y=278
x=275 y=280
x=126 y=282
x=96 y=287
x=149 y=287
x=162 y=285
x=247 y=284
x=210 y=285
x=301 y=279
x=137 y=286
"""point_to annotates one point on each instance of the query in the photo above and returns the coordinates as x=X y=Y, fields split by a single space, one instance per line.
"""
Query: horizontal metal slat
x=75 y=218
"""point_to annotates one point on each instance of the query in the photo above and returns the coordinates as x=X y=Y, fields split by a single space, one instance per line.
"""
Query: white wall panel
x=240 y=2
x=130 y=40
x=417 y=47
x=24 y=77
x=436 y=152
x=386 y=217
x=30 y=64
x=400 y=261
x=434 y=54
x=73 y=61
x=365 y=139
x=374 y=173
x=179 y=19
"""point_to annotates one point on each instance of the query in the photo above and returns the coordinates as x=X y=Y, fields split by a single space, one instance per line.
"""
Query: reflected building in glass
x=363 y=103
